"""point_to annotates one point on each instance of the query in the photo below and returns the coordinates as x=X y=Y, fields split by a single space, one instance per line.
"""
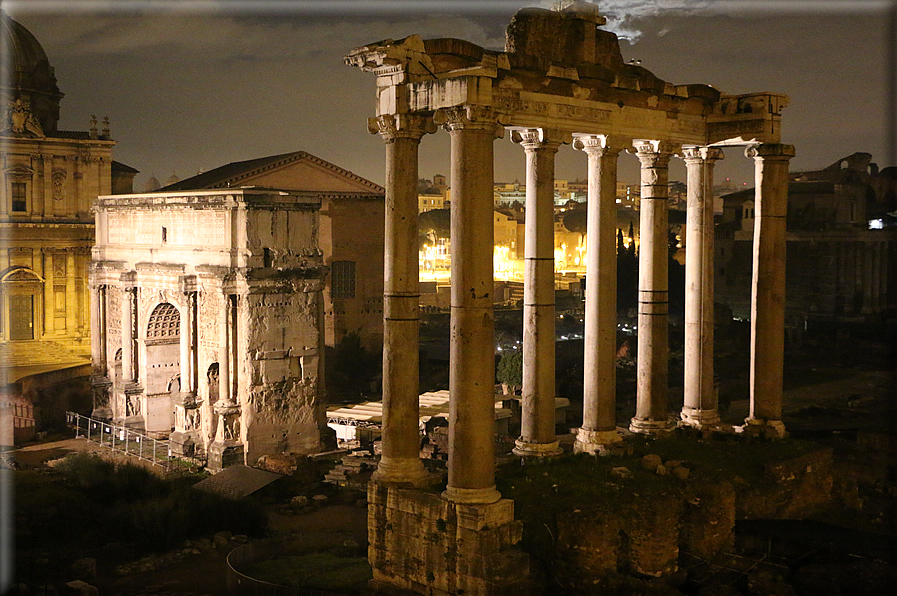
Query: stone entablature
x=243 y=271
x=560 y=80
x=582 y=87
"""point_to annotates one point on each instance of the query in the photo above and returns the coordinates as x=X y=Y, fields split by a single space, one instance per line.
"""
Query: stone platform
x=423 y=543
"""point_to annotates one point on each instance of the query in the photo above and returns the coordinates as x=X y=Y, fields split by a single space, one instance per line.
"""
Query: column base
x=530 y=449
x=596 y=442
x=222 y=455
x=184 y=443
x=647 y=426
x=401 y=471
x=768 y=429
x=479 y=496
x=699 y=418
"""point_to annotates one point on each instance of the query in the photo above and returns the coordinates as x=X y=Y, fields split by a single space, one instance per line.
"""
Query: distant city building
x=351 y=232
x=841 y=244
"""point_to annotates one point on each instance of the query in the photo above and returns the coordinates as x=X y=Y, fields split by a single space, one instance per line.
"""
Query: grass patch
x=315 y=571
x=543 y=489
x=123 y=502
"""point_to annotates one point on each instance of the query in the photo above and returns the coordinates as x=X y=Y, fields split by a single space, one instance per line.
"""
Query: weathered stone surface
x=651 y=545
x=85 y=568
x=791 y=489
x=651 y=461
x=588 y=546
x=421 y=542
x=82 y=588
x=708 y=519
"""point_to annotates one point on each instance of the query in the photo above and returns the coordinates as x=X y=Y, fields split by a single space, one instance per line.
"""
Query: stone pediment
x=299 y=171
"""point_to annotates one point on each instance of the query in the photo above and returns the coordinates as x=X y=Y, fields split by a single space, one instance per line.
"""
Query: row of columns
x=472 y=130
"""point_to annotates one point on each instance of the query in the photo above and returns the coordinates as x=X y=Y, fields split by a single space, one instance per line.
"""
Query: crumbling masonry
x=561 y=79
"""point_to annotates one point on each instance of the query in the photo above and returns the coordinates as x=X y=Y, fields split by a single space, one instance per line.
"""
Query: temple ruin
x=560 y=80
x=207 y=318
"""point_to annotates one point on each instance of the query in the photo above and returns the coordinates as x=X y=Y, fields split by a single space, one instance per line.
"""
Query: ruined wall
x=421 y=542
x=352 y=230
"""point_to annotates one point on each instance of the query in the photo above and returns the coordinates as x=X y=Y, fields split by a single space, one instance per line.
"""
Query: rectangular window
x=342 y=279
x=19 y=202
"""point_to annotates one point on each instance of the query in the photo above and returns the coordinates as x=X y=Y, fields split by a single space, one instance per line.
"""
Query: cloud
x=222 y=38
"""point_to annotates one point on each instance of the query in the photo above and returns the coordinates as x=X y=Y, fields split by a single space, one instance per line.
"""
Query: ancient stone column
x=599 y=427
x=128 y=329
x=400 y=461
x=99 y=380
x=224 y=352
x=471 y=469
x=768 y=285
x=700 y=407
x=537 y=437
x=653 y=301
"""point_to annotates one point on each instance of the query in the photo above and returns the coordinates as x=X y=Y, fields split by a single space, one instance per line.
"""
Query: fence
x=238 y=582
x=132 y=442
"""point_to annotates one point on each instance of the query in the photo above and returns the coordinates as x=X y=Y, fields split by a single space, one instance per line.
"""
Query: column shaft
x=98 y=329
x=401 y=436
x=185 y=345
x=537 y=436
x=768 y=283
x=471 y=474
x=128 y=328
x=600 y=332
x=224 y=350
x=653 y=308
x=700 y=407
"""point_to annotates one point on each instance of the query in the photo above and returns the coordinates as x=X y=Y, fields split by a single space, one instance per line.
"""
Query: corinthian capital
x=772 y=151
x=404 y=126
x=469 y=117
x=698 y=154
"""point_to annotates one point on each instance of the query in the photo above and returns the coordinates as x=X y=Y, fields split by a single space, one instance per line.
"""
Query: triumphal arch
x=561 y=79
x=207 y=320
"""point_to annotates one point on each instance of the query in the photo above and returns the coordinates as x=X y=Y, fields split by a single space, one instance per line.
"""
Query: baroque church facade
x=50 y=178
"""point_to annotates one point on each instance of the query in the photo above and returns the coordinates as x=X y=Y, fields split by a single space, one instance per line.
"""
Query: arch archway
x=22 y=303
x=163 y=364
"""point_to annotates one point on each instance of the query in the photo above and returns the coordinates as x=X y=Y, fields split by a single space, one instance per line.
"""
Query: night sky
x=190 y=86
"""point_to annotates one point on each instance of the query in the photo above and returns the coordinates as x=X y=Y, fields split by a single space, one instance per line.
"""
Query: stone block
x=85 y=569
x=792 y=489
x=708 y=520
x=476 y=517
x=653 y=536
x=588 y=544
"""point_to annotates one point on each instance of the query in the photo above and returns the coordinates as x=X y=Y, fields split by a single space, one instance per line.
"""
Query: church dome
x=26 y=74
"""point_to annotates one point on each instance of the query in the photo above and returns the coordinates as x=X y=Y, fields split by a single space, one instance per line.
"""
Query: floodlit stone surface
x=560 y=77
x=213 y=301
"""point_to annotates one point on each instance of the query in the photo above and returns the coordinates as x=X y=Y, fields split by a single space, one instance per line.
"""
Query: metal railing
x=132 y=442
